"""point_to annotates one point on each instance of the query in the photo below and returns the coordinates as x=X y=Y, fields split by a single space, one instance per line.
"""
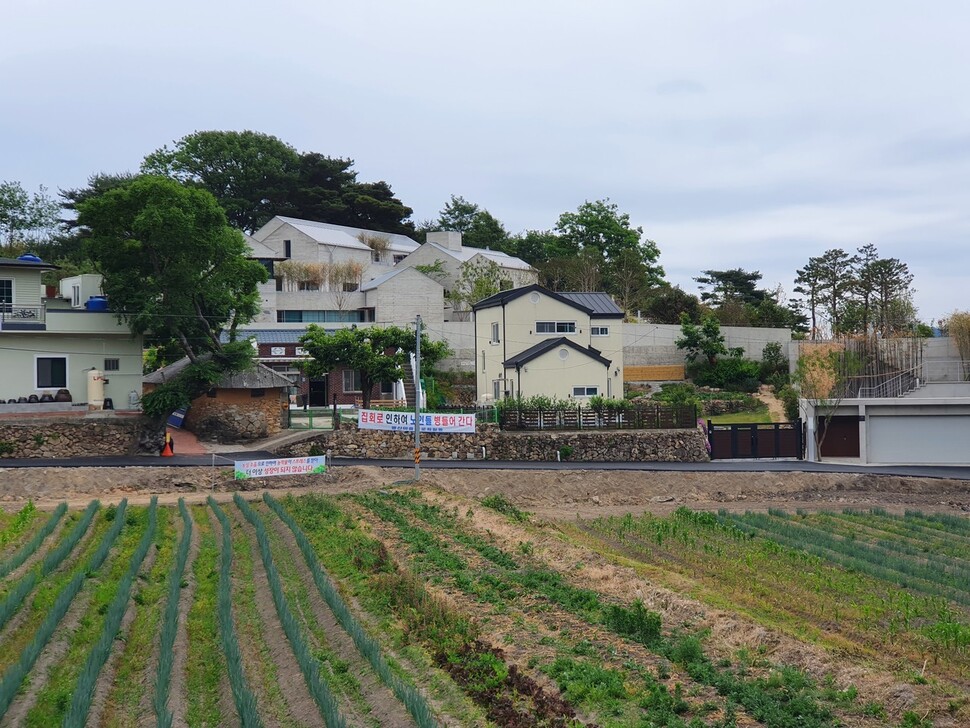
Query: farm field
x=419 y=606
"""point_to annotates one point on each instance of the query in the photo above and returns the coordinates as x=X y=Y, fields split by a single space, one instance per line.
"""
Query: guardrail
x=15 y=313
x=648 y=417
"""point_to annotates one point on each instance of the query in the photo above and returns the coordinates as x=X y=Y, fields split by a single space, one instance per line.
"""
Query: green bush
x=789 y=398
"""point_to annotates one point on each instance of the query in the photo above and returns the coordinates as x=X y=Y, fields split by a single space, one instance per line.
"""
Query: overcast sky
x=753 y=133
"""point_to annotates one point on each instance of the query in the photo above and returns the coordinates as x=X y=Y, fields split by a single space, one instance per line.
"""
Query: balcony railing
x=12 y=314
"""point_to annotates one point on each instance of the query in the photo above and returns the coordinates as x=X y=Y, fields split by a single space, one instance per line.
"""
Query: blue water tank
x=96 y=303
x=29 y=258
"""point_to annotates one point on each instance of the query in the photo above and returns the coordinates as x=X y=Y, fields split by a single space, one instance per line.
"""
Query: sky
x=752 y=134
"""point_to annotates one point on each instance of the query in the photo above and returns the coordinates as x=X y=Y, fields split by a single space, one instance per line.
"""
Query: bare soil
x=553 y=495
x=178 y=699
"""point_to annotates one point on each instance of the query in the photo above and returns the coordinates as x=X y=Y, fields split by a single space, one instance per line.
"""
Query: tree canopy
x=478 y=227
x=25 y=219
x=175 y=270
x=377 y=353
x=255 y=176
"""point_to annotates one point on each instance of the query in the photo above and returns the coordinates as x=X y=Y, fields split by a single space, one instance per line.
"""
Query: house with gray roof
x=532 y=341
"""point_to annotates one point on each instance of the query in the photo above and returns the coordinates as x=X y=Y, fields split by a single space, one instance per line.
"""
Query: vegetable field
x=413 y=607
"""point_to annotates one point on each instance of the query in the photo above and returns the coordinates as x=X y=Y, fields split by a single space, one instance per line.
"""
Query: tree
x=249 y=173
x=836 y=284
x=25 y=219
x=67 y=247
x=378 y=354
x=736 y=285
x=478 y=227
x=535 y=247
x=176 y=271
x=599 y=226
x=478 y=279
x=705 y=339
x=891 y=282
x=808 y=282
x=666 y=304
x=821 y=376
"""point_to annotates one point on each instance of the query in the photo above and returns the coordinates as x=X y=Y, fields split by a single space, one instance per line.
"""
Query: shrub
x=789 y=398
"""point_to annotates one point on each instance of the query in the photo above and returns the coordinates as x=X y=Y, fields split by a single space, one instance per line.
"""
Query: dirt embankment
x=550 y=494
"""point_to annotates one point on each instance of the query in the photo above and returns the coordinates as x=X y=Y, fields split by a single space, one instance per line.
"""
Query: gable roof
x=533 y=352
x=261 y=251
x=600 y=303
x=382 y=279
x=271 y=336
x=503 y=260
x=260 y=377
x=347 y=237
x=503 y=297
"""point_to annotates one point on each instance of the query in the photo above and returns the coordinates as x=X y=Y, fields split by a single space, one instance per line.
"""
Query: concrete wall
x=397 y=301
x=654 y=344
x=603 y=446
x=19 y=351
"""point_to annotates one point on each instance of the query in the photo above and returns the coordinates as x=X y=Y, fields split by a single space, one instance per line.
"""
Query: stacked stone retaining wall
x=586 y=446
x=37 y=437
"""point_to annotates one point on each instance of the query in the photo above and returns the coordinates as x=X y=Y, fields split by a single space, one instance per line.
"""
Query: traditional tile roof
x=260 y=377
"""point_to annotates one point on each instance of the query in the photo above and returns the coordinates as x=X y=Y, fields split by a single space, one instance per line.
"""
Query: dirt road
x=550 y=494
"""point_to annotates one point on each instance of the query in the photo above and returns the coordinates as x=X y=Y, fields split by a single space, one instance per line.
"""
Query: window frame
x=355 y=380
x=587 y=390
x=599 y=330
x=558 y=327
x=495 y=339
x=67 y=370
x=8 y=305
x=112 y=364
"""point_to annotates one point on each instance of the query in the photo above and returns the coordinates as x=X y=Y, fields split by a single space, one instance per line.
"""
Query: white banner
x=404 y=421
x=284 y=466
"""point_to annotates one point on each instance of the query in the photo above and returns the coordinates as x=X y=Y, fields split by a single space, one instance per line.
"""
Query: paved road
x=731 y=466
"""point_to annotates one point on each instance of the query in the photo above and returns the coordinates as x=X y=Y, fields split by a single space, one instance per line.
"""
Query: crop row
x=792 y=703
x=28 y=549
x=14 y=676
x=18 y=525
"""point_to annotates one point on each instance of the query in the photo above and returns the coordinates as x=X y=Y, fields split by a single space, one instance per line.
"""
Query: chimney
x=446 y=239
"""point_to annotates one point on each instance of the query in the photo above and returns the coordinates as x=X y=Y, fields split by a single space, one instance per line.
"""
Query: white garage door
x=919 y=439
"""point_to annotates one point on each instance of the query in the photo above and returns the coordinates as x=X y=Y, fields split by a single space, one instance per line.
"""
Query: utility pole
x=417 y=399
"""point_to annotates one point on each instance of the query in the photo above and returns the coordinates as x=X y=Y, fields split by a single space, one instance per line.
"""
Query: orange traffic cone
x=167 y=450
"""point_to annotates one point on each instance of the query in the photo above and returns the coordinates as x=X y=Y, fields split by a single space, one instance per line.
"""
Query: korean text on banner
x=404 y=421
x=285 y=466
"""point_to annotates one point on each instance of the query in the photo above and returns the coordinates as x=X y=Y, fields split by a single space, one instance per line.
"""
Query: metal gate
x=762 y=440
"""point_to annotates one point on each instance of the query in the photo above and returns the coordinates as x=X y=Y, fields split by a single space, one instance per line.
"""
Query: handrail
x=899 y=385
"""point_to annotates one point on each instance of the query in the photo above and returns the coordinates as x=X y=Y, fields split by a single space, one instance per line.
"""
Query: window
x=6 y=294
x=375 y=256
x=351 y=380
x=599 y=330
x=494 y=339
x=319 y=317
x=76 y=296
x=51 y=372
x=350 y=286
x=308 y=286
x=585 y=391
x=555 y=327
x=398 y=258
x=287 y=249
x=112 y=365
x=258 y=392
x=387 y=390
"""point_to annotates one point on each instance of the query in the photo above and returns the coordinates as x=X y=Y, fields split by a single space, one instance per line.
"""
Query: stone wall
x=38 y=437
x=585 y=446
x=234 y=415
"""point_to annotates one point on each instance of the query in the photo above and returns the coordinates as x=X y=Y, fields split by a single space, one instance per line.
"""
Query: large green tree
x=249 y=173
x=176 y=271
x=378 y=353
x=25 y=219
x=478 y=227
x=604 y=234
x=255 y=176
x=735 y=285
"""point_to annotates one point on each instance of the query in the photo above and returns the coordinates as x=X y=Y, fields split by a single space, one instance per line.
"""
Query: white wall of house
x=26 y=285
x=22 y=350
x=399 y=299
x=559 y=373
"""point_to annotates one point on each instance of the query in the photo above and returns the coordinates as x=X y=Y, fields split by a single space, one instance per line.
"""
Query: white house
x=533 y=341
x=52 y=340
x=445 y=258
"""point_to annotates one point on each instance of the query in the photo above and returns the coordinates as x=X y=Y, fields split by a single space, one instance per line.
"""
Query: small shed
x=247 y=405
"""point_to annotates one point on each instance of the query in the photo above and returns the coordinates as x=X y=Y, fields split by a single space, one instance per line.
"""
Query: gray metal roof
x=346 y=236
x=533 y=352
x=271 y=336
x=260 y=377
x=599 y=303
